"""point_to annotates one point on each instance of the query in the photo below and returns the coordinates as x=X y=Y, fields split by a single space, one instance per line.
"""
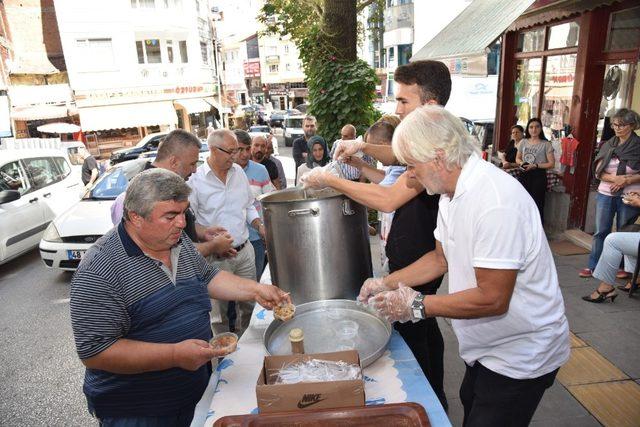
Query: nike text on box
x=307 y=396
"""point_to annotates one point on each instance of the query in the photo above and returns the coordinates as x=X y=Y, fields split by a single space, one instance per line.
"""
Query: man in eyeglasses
x=222 y=196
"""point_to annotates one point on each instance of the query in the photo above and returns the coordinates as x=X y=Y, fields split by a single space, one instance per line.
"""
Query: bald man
x=348 y=133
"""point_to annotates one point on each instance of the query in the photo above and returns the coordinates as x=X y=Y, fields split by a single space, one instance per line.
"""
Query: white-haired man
x=503 y=287
x=222 y=196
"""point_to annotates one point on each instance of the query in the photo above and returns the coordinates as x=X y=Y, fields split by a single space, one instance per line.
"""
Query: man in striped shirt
x=140 y=310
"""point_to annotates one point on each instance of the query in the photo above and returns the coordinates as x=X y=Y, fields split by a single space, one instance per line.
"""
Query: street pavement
x=41 y=375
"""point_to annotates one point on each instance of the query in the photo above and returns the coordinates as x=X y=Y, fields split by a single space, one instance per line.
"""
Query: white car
x=36 y=185
x=292 y=129
x=68 y=237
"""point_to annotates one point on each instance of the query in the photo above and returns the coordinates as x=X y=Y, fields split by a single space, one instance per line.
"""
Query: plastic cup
x=226 y=341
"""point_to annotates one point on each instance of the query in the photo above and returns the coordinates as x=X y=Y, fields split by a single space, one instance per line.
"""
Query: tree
x=326 y=32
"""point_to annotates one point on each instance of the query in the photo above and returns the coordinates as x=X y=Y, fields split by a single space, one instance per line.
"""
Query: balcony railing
x=400 y=16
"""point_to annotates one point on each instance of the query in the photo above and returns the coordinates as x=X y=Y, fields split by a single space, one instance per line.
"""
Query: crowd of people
x=187 y=250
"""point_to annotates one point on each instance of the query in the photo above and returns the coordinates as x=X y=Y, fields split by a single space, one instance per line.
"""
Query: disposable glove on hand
x=315 y=179
x=348 y=148
x=371 y=287
x=395 y=306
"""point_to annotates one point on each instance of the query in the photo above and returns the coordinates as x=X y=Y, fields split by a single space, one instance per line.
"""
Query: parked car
x=277 y=118
x=146 y=144
x=68 y=236
x=35 y=187
x=292 y=129
x=204 y=151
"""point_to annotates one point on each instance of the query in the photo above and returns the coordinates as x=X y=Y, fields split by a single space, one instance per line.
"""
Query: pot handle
x=346 y=208
x=300 y=212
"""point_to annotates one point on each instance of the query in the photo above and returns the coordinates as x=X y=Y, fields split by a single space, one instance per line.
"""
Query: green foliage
x=340 y=92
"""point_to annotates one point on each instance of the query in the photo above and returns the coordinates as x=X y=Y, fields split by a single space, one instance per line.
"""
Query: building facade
x=35 y=88
x=140 y=66
x=571 y=64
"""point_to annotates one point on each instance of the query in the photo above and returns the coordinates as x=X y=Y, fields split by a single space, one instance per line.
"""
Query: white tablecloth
x=394 y=377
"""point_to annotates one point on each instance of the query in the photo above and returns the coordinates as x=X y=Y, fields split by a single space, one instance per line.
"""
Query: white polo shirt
x=492 y=222
x=227 y=204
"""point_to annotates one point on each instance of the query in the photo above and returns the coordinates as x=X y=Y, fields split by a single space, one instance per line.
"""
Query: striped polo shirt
x=119 y=292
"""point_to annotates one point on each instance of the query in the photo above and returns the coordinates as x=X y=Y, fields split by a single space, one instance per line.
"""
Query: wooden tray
x=392 y=415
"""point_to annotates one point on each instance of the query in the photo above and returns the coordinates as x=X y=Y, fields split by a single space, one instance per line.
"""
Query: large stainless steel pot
x=318 y=243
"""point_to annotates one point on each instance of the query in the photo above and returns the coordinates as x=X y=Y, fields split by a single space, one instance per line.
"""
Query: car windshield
x=115 y=181
x=294 y=123
x=259 y=129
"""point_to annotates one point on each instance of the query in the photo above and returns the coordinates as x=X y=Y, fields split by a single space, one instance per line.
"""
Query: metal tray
x=318 y=321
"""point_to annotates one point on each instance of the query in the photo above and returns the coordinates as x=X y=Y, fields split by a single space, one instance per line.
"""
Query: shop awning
x=471 y=32
x=40 y=112
x=26 y=95
x=127 y=116
x=193 y=105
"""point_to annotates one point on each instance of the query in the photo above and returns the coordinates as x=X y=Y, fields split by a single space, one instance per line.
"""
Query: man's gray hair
x=216 y=138
x=242 y=136
x=175 y=142
x=310 y=118
x=152 y=186
x=431 y=128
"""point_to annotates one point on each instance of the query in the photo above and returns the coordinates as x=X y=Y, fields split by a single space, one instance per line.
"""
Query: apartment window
x=182 y=44
x=273 y=68
x=288 y=67
x=286 y=49
x=392 y=55
x=148 y=51
x=96 y=53
x=169 y=44
x=204 y=52
x=198 y=6
x=143 y=3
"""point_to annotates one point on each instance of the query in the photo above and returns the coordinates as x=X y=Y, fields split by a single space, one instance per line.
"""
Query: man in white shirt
x=222 y=196
x=504 y=296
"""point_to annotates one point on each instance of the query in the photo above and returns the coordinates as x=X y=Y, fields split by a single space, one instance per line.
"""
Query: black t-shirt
x=411 y=235
x=271 y=168
x=88 y=165
x=299 y=147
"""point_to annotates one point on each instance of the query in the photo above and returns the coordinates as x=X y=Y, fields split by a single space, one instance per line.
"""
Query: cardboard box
x=297 y=397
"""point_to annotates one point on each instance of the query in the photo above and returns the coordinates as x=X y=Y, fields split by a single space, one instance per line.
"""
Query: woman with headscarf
x=318 y=156
x=617 y=166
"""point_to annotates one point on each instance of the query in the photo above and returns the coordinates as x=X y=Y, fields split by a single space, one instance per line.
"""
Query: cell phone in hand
x=522 y=166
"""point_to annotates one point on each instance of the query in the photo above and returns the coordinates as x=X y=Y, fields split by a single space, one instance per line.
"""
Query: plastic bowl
x=226 y=341
x=284 y=312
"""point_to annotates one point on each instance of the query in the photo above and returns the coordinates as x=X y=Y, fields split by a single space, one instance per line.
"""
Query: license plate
x=75 y=254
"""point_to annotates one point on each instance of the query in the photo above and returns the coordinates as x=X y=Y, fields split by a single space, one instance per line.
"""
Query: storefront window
x=616 y=93
x=527 y=89
x=558 y=91
x=624 y=32
x=531 y=41
x=563 y=35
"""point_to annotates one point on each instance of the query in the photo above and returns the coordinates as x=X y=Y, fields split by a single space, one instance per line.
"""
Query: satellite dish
x=611 y=84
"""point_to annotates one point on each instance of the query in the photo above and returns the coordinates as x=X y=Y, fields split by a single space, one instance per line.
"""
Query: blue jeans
x=259 y=250
x=606 y=208
x=616 y=246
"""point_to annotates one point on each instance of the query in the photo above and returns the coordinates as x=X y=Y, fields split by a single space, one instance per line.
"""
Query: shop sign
x=474 y=66
x=251 y=68
x=143 y=94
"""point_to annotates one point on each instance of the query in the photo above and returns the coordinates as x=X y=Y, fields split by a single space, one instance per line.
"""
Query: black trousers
x=491 y=399
x=425 y=342
x=535 y=182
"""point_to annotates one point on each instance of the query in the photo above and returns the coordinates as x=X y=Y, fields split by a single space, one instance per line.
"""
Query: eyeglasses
x=229 y=152
x=619 y=125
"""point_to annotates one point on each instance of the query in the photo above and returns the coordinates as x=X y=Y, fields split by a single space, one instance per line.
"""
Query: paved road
x=40 y=373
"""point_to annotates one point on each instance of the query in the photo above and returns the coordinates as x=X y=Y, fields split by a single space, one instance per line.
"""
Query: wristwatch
x=417 y=307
